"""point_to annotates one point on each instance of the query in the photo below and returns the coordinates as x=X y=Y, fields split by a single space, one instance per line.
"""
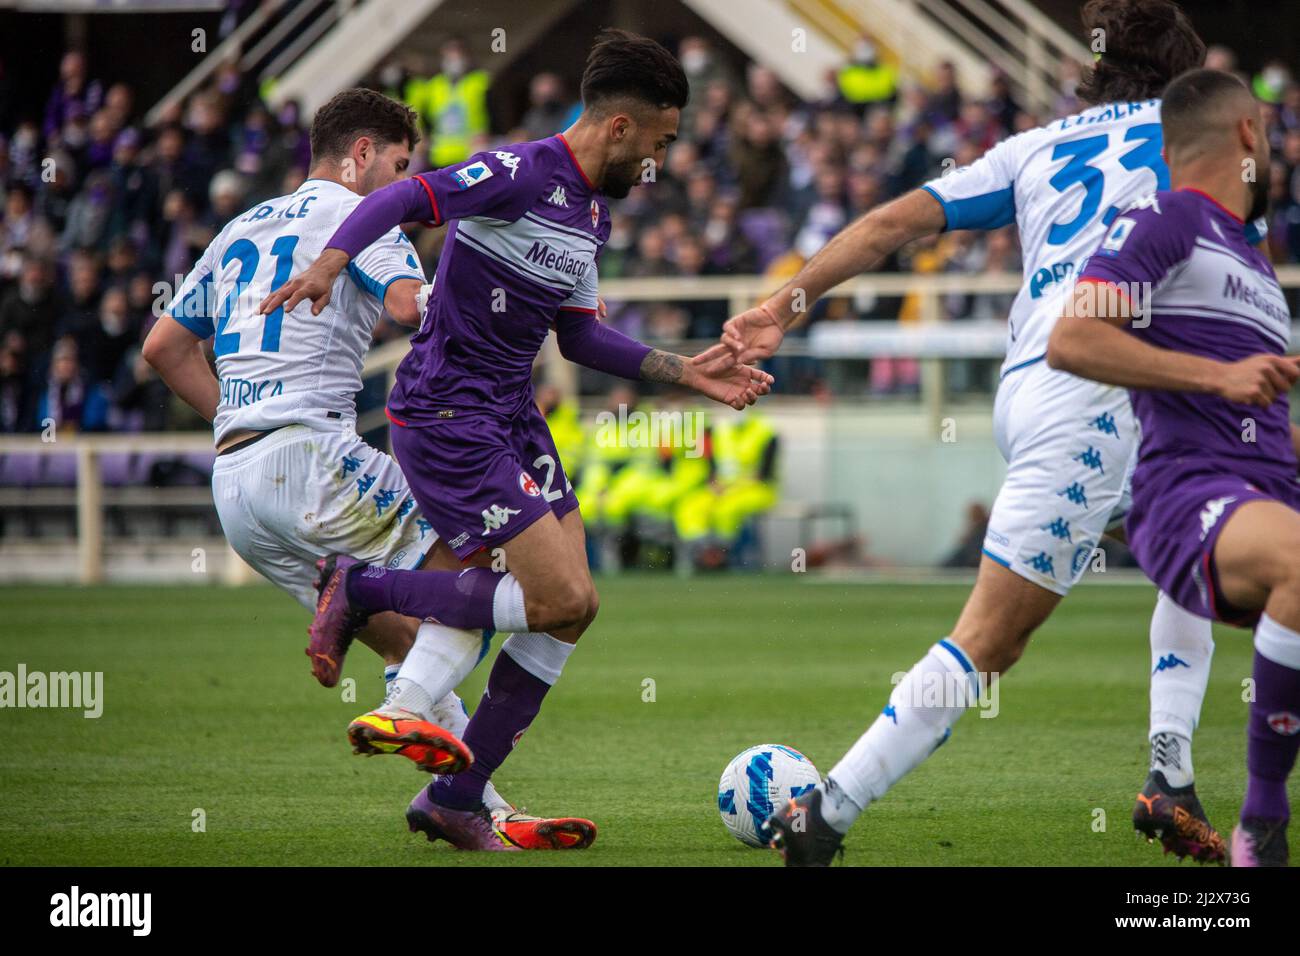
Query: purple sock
x=455 y=598
x=1272 y=739
x=510 y=702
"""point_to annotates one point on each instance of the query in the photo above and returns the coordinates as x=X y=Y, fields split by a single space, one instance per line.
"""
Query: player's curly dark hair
x=623 y=65
x=351 y=114
x=1147 y=44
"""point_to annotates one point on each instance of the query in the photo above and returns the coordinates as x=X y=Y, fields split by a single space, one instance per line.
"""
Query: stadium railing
x=932 y=340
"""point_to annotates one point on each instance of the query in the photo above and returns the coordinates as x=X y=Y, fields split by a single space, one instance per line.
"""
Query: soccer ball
x=758 y=781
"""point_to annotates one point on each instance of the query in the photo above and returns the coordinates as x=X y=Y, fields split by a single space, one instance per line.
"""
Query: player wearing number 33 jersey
x=1070 y=444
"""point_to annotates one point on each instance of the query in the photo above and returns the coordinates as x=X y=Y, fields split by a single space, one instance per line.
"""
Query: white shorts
x=1070 y=447
x=302 y=493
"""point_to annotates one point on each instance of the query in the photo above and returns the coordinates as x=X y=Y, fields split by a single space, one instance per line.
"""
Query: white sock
x=1182 y=646
x=921 y=711
x=437 y=662
x=449 y=713
x=1277 y=642
x=540 y=654
x=508 y=605
x=390 y=675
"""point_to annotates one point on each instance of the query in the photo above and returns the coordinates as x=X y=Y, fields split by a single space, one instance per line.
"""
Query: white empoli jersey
x=1062 y=185
x=282 y=369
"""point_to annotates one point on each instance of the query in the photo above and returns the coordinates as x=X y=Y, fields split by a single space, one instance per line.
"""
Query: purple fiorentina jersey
x=1209 y=293
x=1199 y=287
x=526 y=233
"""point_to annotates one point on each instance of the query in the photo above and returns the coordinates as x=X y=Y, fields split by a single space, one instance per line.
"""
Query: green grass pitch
x=209 y=704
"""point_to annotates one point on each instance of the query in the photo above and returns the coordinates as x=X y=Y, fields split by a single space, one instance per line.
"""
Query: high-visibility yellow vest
x=867 y=84
x=455 y=112
x=739 y=447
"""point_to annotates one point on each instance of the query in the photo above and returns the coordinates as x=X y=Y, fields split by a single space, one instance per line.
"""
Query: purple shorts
x=1179 y=509
x=480 y=480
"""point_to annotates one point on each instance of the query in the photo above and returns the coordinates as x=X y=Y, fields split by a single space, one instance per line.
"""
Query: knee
x=569 y=605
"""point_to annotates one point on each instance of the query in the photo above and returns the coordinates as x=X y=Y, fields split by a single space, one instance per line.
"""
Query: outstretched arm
x=1089 y=341
x=407 y=200
x=862 y=246
x=583 y=339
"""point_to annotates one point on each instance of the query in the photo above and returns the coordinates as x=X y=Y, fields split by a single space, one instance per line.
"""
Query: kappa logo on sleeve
x=472 y=175
x=509 y=160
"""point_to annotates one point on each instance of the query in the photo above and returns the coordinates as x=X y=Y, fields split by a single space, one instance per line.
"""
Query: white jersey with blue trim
x=294 y=368
x=1062 y=185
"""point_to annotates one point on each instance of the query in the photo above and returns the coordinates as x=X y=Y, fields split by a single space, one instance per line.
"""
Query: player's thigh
x=1256 y=552
x=249 y=508
x=1003 y=610
x=1071 y=448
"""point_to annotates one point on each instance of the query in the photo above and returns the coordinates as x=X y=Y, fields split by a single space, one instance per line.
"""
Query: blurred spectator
x=31 y=308
x=865 y=81
x=74 y=96
x=548 y=111
x=453 y=105
x=69 y=400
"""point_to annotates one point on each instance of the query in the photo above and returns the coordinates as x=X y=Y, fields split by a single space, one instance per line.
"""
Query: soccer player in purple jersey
x=1177 y=306
x=527 y=224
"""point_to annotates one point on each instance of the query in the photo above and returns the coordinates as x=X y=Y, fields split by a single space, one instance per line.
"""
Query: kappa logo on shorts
x=495 y=518
x=1213 y=512
x=528 y=486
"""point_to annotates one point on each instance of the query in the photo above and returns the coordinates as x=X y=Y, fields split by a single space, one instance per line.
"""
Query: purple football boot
x=335 y=621
x=463 y=829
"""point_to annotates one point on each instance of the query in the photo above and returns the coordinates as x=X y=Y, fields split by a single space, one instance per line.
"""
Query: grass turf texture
x=209 y=704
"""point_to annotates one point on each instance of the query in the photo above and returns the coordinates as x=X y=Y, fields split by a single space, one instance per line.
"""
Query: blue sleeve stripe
x=365 y=283
x=384 y=295
x=191 y=311
x=987 y=211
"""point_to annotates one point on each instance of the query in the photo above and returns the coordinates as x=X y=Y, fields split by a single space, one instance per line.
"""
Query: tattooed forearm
x=660 y=366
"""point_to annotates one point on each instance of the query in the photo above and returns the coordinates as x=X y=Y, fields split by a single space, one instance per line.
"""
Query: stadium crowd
x=102 y=215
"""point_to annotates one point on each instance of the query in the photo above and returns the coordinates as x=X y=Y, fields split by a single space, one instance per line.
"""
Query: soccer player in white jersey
x=293 y=482
x=1069 y=444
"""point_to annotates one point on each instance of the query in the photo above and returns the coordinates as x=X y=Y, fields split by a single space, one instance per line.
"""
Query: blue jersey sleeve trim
x=196 y=319
x=384 y=292
x=943 y=203
x=365 y=283
x=988 y=211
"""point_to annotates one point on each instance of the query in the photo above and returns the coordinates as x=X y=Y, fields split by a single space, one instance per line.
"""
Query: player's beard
x=620 y=177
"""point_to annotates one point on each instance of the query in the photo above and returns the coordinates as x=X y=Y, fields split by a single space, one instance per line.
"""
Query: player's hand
x=738 y=386
x=753 y=335
x=1258 y=380
x=316 y=284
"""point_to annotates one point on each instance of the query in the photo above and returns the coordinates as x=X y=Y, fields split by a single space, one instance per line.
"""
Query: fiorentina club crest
x=528 y=486
x=595 y=214
x=1285 y=723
